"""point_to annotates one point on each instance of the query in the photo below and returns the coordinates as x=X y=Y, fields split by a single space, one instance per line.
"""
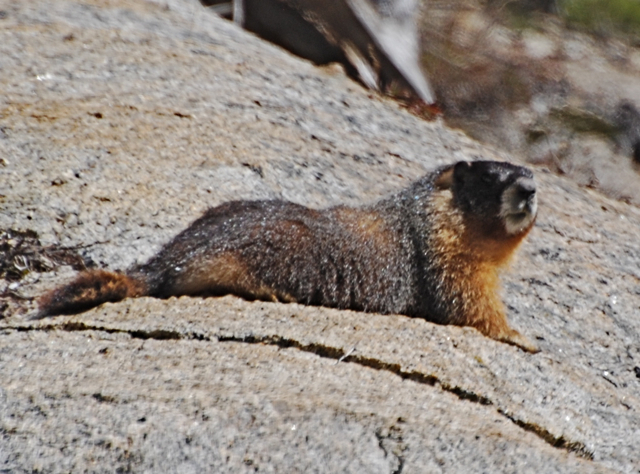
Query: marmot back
x=433 y=251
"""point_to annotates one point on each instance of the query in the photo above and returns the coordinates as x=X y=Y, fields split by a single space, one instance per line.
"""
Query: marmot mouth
x=518 y=215
x=520 y=209
x=516 y=222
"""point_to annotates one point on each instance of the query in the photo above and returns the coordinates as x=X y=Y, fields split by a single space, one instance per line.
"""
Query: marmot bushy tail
x=90 y=289
x=432 y=250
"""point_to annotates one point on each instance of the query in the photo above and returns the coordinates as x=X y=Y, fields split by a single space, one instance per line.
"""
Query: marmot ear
x=460 y=171
x=451 y=174
x=445 y=178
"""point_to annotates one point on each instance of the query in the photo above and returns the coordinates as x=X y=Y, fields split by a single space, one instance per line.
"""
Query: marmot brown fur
x=433 y=250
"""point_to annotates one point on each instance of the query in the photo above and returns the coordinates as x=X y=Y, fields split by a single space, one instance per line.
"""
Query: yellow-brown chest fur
x=469 y=264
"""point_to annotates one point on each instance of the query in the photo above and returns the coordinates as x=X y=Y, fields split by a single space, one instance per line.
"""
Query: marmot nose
x=526 y=187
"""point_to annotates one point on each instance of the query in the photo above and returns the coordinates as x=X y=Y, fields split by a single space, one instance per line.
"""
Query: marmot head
x=499 y=197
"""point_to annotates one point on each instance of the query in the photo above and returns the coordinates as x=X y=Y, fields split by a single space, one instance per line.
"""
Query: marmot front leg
x=494 y=325
x=511 y=336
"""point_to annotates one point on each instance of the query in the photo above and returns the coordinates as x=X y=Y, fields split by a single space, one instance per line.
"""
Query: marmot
x=432 y=250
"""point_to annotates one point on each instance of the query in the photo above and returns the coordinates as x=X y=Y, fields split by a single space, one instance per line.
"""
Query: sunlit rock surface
x=121 y=122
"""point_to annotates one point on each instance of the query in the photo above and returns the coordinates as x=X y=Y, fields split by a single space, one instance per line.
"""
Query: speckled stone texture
x=122 y=121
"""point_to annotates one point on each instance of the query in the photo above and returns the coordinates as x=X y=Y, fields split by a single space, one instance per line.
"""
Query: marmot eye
x=486 y=178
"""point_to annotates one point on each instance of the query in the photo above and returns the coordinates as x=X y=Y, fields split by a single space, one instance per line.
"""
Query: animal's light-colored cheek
x=534 y=206
x=516 y=222
x=507 y=205
x=518 y=213
x=514 y=225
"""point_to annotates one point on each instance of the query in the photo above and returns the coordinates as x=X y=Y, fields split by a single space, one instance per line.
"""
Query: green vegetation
x=603 y=16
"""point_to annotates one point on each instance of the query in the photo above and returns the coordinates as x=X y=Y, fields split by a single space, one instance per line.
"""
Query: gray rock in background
x=121 y=122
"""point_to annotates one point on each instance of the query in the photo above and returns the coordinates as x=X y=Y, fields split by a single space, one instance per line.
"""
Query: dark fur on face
x=502 y=195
